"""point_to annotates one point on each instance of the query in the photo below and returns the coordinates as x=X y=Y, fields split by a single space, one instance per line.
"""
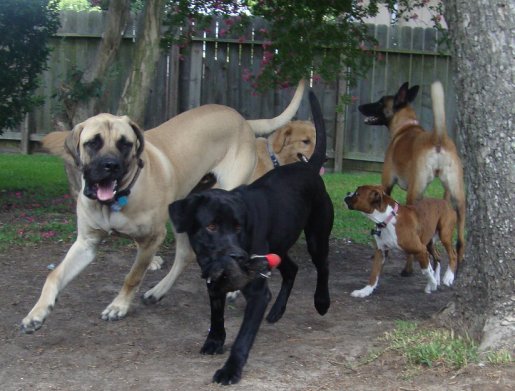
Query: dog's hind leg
x=317 y=233
x=184 y=255
x=146 y=250
x=80 y=255
x=288 y=270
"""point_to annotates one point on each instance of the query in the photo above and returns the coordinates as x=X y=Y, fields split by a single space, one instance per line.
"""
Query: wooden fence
x=212 y=72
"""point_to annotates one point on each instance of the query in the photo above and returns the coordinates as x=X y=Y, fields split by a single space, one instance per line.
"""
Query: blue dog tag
x=117 y=206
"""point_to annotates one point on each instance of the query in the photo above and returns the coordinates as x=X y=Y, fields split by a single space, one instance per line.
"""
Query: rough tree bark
x=146 y=56
x=483 y=42
x=117 y=17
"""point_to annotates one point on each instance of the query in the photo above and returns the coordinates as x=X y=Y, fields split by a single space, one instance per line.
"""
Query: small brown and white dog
x=415 y=157
x=412 y=229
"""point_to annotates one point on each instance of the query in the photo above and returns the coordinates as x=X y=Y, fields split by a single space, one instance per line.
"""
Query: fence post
x=195 y=82
x=25 y=136
x=339 y=138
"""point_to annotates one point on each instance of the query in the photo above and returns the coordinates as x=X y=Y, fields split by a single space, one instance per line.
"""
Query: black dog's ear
x=181 y=212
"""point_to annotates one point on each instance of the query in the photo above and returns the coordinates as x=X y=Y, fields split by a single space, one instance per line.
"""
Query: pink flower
x=37 y=205
x=222 y=32
x=286 y=84
x=30 y=219
x=246 y=77
x=26 y=226
x=415 y=16
x=20 y=231
x=23 y=215
x=66 y=222
x=379 y=56
x=17 y=195
x=66 y=196
x=242 y=39
x=253 y=93
x=317 y=77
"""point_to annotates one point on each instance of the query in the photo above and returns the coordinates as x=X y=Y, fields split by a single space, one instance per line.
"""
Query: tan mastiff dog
x=412 y=229
x=130 y=178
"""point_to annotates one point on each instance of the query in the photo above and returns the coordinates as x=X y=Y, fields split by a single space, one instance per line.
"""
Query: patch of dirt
x=157 y=347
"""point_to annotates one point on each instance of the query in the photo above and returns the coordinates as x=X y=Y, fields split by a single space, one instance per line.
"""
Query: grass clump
x=431 y=347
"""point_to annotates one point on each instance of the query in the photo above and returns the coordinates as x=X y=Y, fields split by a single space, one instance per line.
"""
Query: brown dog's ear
x=71 y=144
x=181 y=212
x=405 y=95
x=139 y=135
x=412 y=93
x=282 y=137
x=376 y=197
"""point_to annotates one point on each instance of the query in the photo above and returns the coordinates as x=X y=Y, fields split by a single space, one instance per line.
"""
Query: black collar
x=120 y=197
x=272 y=155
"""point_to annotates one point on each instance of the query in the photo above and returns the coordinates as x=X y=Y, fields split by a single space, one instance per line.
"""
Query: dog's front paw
x=156 y=263
x=448 y=277
x=114 y=312
x=227 y=375
x=34 y=320
x=322 y=301
x=366 y=291
x=213 y=346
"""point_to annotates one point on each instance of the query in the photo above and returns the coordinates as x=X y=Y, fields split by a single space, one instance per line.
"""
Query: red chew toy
x=273 y=260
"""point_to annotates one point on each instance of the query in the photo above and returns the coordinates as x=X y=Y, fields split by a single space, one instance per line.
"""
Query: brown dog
x=411 y=229
x=415 y=157
x=291 y=143
x=284 y=146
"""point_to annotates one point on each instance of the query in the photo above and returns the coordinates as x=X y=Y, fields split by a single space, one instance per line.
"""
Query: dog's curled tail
x=438 y=101
x=54 y=144
x=318 y=157
x=266 y=126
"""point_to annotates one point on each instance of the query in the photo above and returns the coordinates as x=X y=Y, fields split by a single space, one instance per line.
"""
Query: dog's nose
x=111 y=166
x=238 y=256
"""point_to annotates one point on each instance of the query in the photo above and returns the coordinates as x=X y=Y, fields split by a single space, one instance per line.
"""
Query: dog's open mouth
x=371 y=120
x=106 y=189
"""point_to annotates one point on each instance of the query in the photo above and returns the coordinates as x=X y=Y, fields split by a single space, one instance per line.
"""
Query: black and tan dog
x=415 y=157
x=412 y=229
x=226 y=228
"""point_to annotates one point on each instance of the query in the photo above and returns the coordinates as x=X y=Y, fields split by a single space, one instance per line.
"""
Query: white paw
x=436 y=274
x=448 y=278
x=33 y=321
x=114 y=312
x=366 y=291
x=431 y=281
x=231 y=296
x=156 y=263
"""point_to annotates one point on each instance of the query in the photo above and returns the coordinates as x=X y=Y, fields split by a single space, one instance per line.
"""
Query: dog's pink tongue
x=105 y=190
x=322 y=171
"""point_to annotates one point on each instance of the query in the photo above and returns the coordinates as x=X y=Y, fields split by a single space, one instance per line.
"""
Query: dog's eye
x=211 y=227
x=124 y=145
x=238 y=227
x=307 y=142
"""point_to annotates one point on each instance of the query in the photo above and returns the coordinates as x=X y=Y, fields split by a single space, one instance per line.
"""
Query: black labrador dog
x=227 y=229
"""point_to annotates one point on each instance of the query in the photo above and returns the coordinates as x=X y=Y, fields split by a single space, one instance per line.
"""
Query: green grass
x=430 y=347
x=35 y=206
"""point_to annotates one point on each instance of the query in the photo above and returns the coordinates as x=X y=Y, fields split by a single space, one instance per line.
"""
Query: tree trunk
x=483 y=44
x=117 y=17
x=147 y=52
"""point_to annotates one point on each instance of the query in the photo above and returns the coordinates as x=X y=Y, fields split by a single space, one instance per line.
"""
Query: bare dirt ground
x=157 y=347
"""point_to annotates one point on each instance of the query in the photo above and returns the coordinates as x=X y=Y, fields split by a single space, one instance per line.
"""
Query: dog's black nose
x=111 y=166
x=238 y=256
